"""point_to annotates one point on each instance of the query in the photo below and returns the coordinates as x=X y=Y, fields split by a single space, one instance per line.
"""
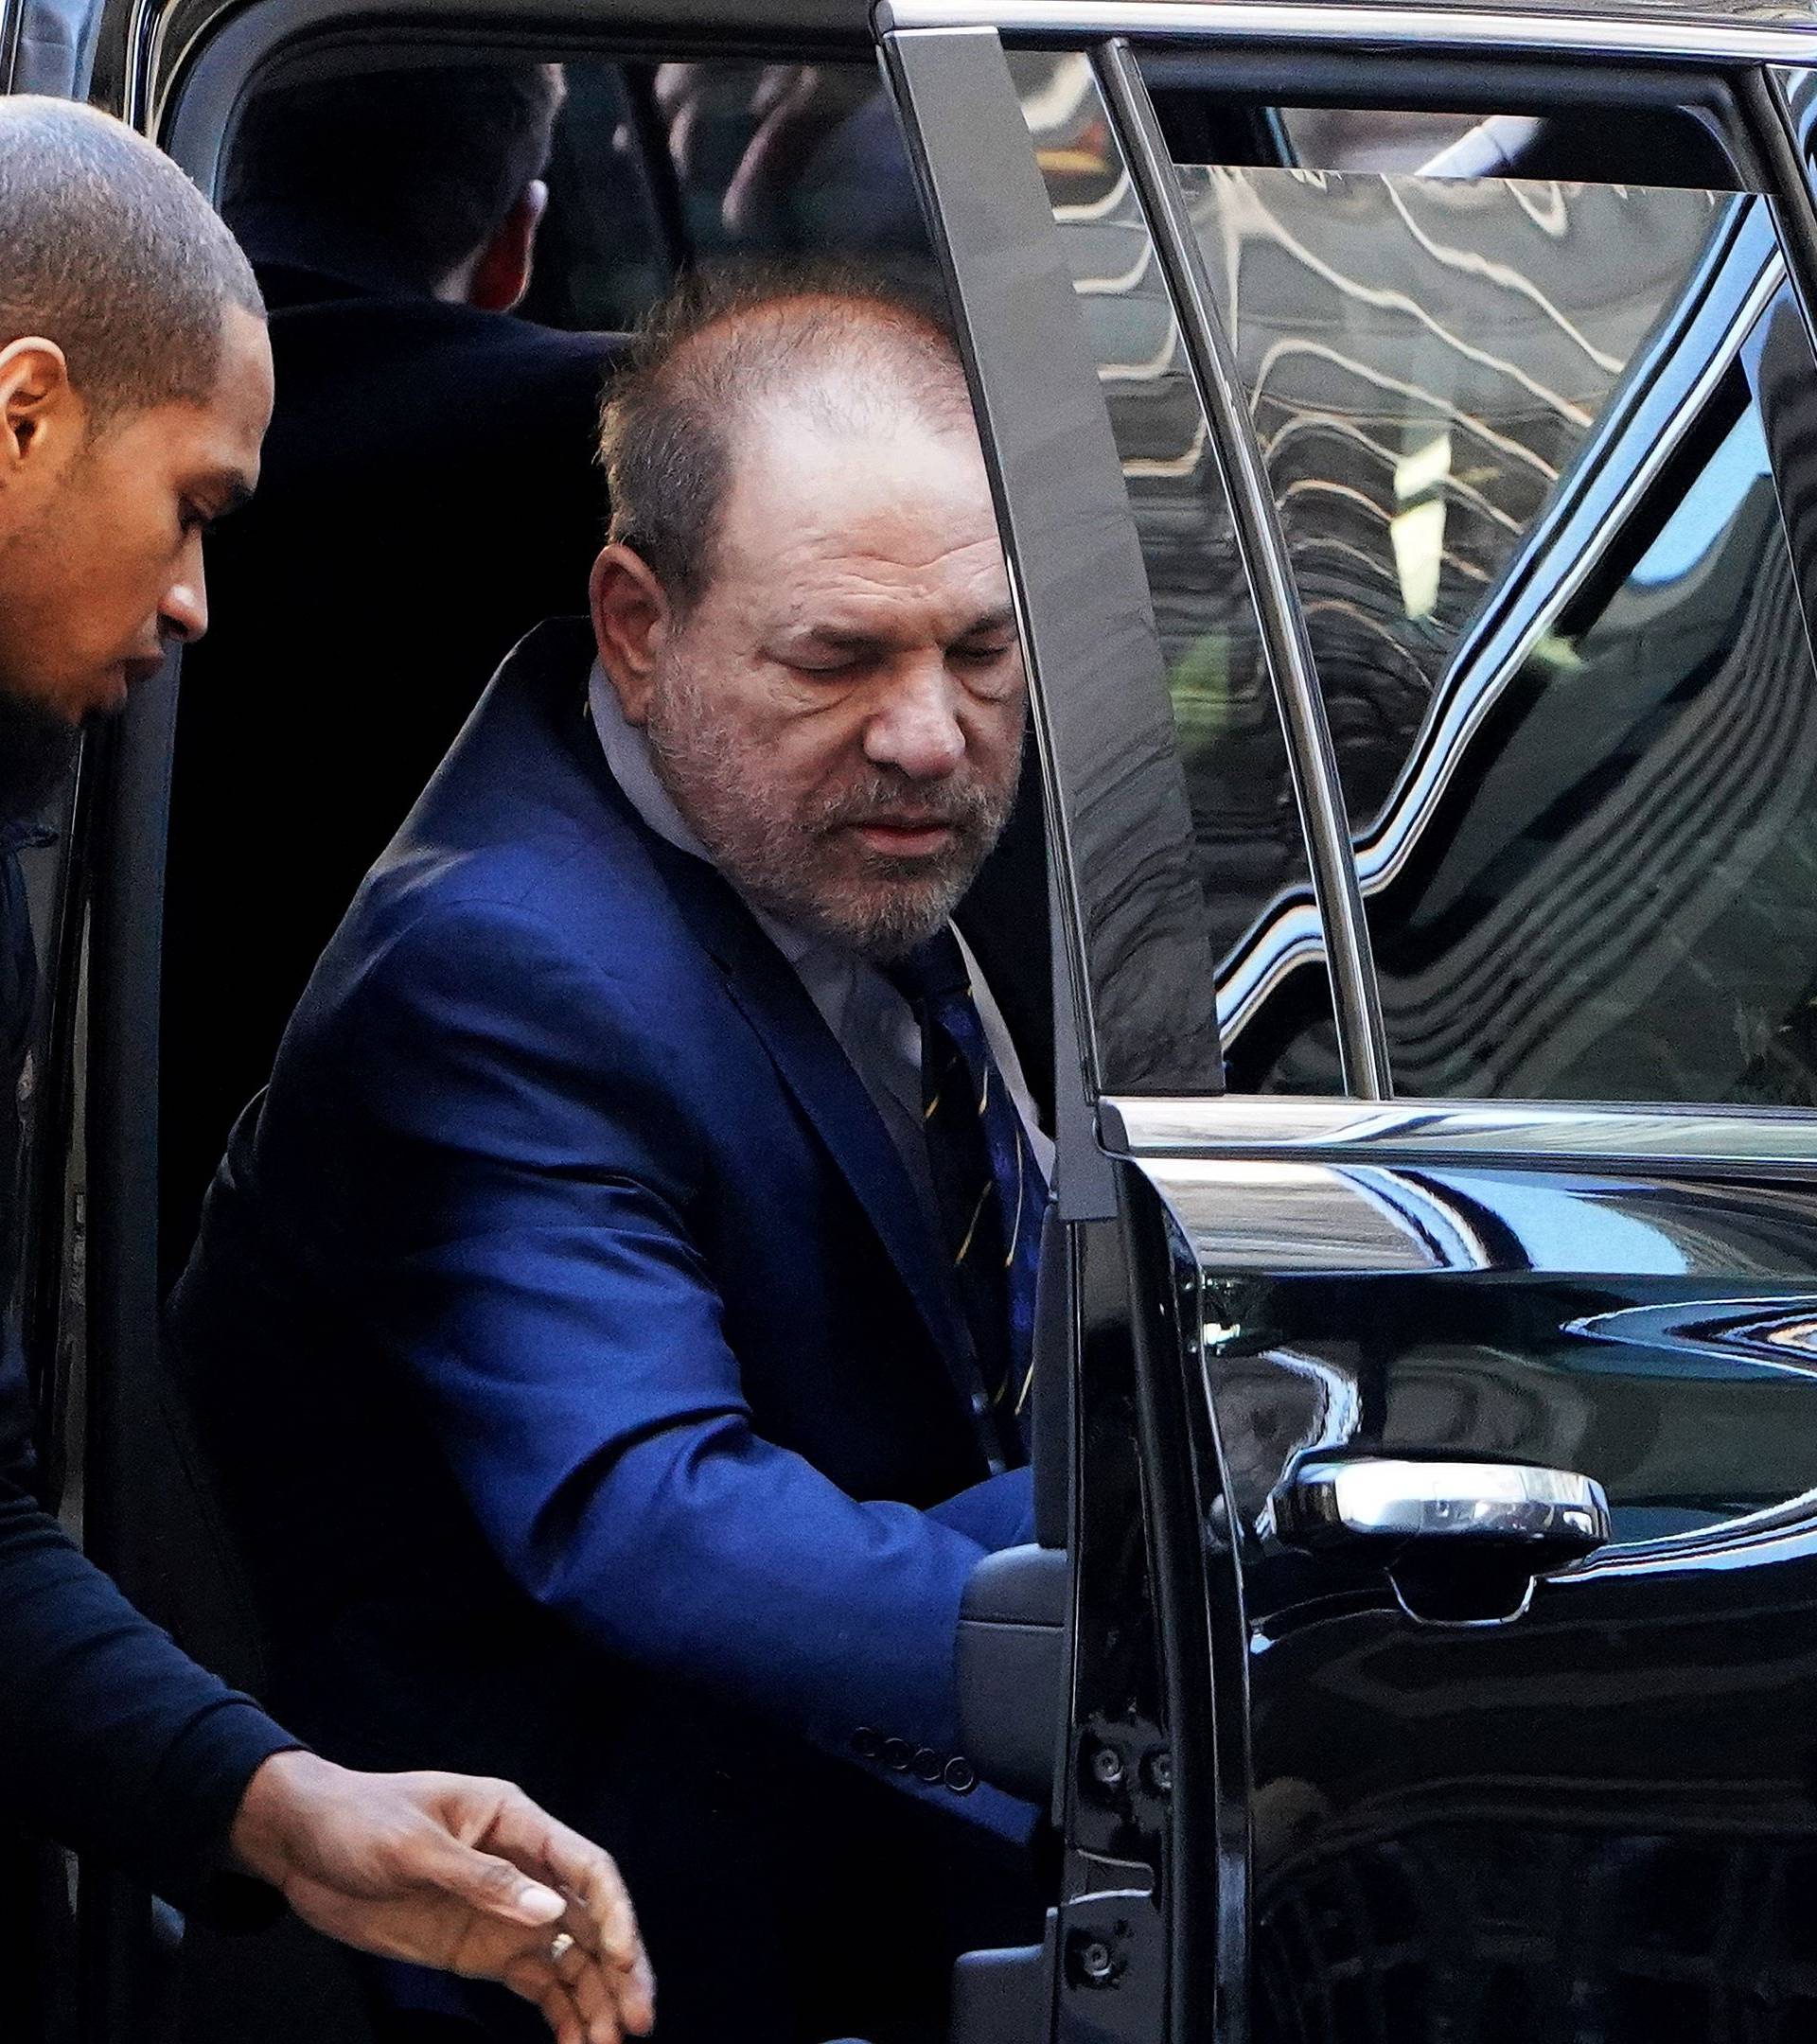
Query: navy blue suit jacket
x=574 y=1350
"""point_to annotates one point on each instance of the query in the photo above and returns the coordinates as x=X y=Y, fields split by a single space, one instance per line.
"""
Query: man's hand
x=433 y=1868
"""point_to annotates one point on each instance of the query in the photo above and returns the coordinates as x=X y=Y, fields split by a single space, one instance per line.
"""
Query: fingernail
x=540 y=1901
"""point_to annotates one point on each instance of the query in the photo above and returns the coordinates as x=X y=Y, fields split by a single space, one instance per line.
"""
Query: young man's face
x=100 y=534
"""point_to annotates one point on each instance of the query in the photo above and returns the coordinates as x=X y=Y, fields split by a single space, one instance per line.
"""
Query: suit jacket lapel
x=769 y=993
x=816 y=1070
x=826 y=1089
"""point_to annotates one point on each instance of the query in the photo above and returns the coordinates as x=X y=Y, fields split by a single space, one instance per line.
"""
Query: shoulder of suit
x=468 y=953
x=547 y=898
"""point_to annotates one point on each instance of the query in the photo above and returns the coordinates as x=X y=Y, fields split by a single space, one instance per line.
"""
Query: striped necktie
x=987 y=1182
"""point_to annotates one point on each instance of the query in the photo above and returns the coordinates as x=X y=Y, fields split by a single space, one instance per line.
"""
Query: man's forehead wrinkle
x=852 y=563
x=852 y=610
x=821 y=567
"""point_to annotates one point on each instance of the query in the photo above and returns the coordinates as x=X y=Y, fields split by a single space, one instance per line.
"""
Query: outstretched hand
x=447 y=1871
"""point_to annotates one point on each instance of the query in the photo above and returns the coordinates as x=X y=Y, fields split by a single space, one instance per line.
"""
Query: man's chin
x=888 y=921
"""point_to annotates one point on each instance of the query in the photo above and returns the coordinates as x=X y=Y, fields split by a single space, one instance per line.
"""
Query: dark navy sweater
x=112 y=1740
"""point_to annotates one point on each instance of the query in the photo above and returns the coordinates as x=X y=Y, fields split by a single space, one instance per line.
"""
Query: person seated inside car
x=430 y=490
x=614 y=1329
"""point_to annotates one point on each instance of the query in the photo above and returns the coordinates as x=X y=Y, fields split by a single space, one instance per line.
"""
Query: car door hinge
x=1113 y=1974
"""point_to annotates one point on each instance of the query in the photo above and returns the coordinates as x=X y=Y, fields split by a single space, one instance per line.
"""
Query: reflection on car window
x=1274 y=995
x=1552 y=716
x=1424 y=357
x=1537 y=533
x=656 y=165
x=604 y=249
x=1618 y=899
x=789 y=158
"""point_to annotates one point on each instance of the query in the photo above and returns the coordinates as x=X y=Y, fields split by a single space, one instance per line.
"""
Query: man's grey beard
x=37 y=754
x=776 y=856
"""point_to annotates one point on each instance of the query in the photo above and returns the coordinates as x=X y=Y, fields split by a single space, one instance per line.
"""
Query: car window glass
x=608 y=240
x=1425 y=358
x=656 y=165
x=1534 y=445
x=1273 y=992
x=1614 y=901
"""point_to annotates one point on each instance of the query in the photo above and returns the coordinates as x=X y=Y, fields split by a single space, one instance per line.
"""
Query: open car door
x=1443 y=1619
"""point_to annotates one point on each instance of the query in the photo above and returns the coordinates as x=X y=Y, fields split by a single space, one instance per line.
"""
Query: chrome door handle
x=1492 y=1508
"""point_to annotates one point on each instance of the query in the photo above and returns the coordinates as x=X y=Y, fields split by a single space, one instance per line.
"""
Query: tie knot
x=931 y=972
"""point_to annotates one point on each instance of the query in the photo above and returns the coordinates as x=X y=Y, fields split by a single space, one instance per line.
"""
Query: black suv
x=1402 y=419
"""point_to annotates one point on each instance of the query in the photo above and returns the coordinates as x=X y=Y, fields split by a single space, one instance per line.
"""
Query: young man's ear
x=632 y=619
x=501 y=273
x=39 y=409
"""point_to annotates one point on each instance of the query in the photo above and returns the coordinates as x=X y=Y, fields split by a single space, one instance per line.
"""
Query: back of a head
x=405 y=174
x=113 y=254
x=852 y=349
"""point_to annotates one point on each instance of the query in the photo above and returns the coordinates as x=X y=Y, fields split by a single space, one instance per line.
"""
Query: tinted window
x=1532 y=445
x=1616 y=898
x=658 y=164
x=1425 y=358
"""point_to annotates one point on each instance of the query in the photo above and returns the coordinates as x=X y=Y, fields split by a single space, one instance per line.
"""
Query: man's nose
x=917 y=729
x=184 y=613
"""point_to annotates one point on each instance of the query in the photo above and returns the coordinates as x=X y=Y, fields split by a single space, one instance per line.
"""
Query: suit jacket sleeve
x=511 y=1166
x=111 y=1739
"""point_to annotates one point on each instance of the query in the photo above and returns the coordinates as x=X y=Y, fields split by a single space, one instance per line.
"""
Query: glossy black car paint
x=1596 y=1818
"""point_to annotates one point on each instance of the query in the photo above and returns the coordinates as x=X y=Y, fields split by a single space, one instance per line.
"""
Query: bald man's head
x=804 y=605
x=113 y=254
x=846 y=352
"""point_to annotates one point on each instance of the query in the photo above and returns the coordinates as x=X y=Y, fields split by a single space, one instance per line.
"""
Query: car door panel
x=1487 y=1795
x=1503 y=1810
x=1661 y=1338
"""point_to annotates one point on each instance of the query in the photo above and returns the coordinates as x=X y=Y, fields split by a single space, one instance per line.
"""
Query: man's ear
x=632 y=619
x=501 y=272
x=39 y=412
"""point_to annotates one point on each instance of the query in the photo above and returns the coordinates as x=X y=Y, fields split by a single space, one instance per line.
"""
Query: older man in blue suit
x=614 y=1325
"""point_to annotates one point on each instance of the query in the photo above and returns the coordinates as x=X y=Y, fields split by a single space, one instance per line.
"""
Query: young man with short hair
x=135 y=386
